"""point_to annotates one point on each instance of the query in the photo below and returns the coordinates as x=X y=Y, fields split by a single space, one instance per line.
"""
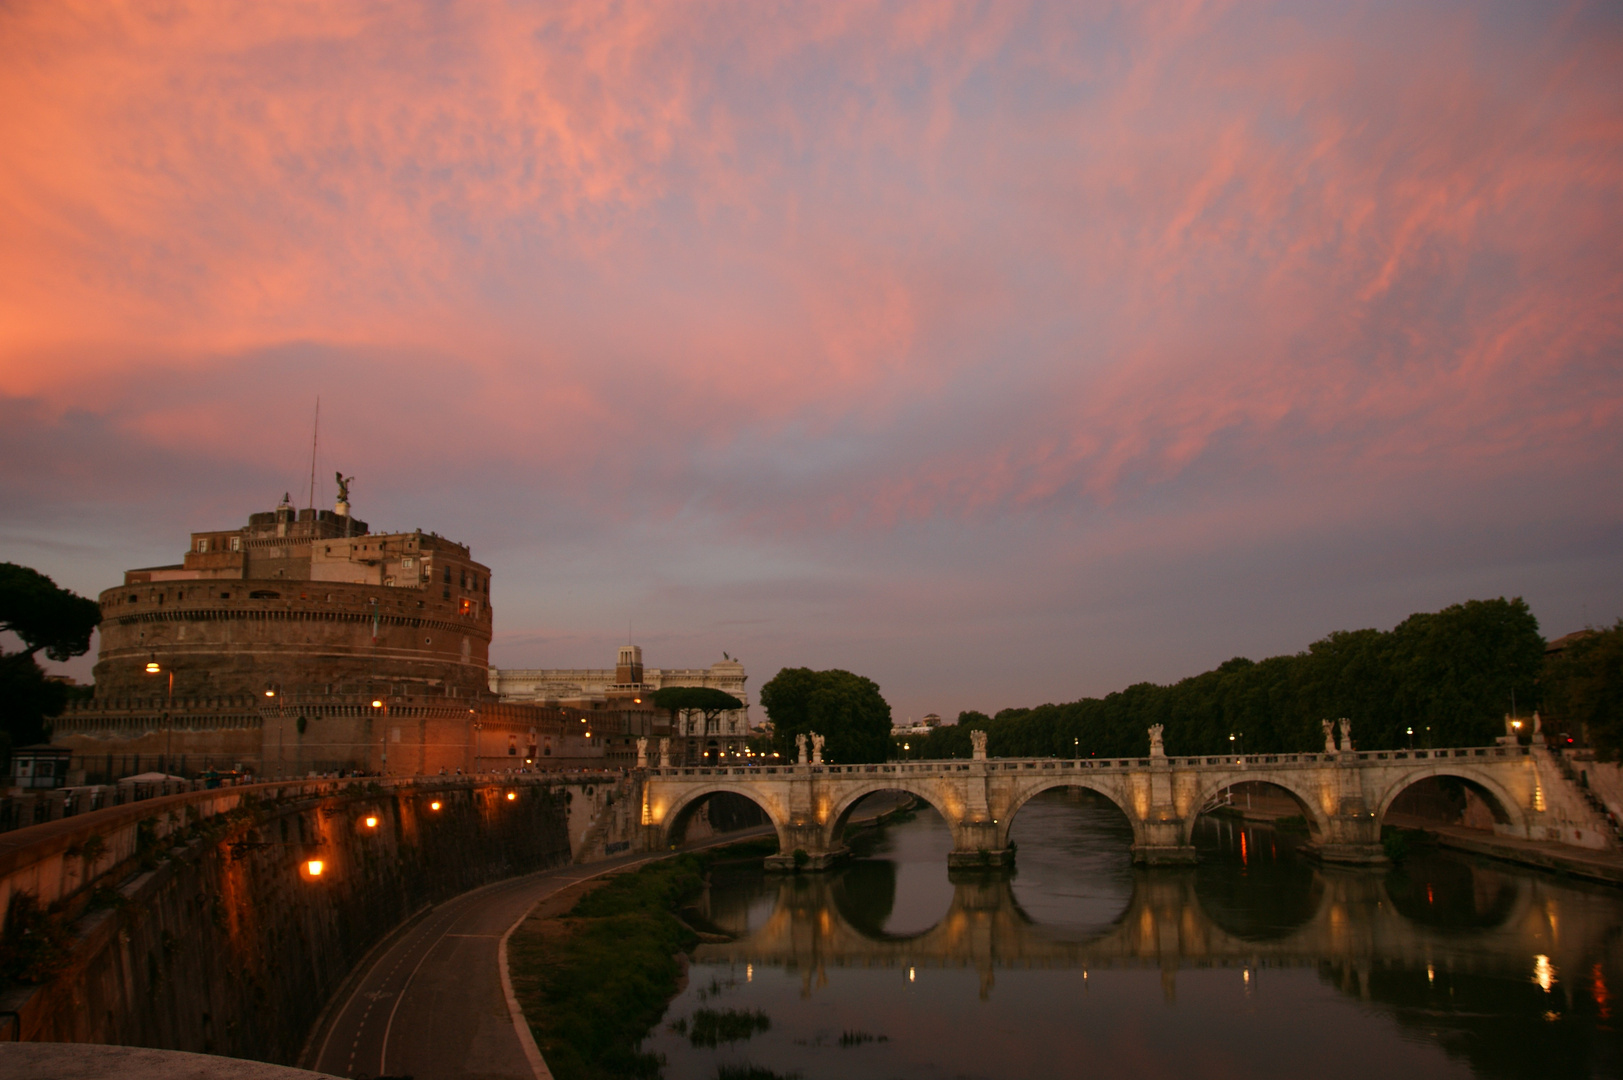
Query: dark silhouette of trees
x=1583 y=689
x=1451 y=675
x=846 y=709
x=706 y=700
x=46 y=619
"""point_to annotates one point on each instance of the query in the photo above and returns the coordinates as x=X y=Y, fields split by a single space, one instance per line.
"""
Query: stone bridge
x=1352 y=922
x=1344 y=794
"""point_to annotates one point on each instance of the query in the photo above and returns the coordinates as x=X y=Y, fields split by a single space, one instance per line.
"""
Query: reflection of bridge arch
x=1034 y=788
x=673 y=818
x=1312 y=805
x=1505 y=808
x=1353 y=921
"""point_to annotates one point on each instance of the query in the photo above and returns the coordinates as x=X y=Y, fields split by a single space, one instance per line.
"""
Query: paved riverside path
x=429 y=1002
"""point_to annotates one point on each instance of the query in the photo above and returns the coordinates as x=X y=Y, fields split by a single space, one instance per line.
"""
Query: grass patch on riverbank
x=595 y=977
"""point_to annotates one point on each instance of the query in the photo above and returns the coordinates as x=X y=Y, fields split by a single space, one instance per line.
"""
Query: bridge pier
x=978 y=844
x=1354 y=839
x=1161 y=843
x=802 y=845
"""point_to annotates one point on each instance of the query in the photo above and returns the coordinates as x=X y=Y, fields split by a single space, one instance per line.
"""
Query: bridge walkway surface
x=432 y=1001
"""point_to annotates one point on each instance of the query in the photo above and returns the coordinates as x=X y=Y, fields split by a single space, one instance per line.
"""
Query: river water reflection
x=1255 y=963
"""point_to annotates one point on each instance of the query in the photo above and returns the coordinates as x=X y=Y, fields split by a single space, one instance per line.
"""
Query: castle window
x=202 y=545
x=407 y=563
x=467 y=606
x=236 y=543
x=448 y=575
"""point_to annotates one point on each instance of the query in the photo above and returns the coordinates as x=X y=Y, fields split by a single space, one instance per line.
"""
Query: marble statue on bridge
x=642 y=753
x=1346 y=735
x=977 y=743
x=817 y=748
x=1329 y=735
x=1157 y=748
x=800 y=747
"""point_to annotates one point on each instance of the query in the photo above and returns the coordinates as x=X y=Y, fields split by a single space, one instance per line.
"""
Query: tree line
x=1449 y=677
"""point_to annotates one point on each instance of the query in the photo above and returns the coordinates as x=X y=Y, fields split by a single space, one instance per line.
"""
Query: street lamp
x=153 y=668
x=1076 y=748
x=1410 y=732
x=377 y=703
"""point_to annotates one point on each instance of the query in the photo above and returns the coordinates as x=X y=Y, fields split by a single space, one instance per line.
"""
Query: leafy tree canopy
x=700 y=699
x=43 y=615
x=846 y=709
x=47 y=618
x=1451 y=675
x=1583 y=689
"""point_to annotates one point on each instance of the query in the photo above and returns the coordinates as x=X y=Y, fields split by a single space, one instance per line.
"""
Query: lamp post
x=1076 y=748
x=382 y=710
x=153 y=668
x=1411 y=738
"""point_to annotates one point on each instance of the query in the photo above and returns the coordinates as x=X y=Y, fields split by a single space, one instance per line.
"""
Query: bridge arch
x=1506 y=809
x=674 y=819
x=935 y=795
x=1030 y=790
x=1318 y=822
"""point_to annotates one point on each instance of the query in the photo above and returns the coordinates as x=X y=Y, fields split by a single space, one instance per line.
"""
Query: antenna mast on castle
x=315 y=440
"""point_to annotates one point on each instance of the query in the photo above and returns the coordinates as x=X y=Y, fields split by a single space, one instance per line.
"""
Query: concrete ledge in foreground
x=90 y=1061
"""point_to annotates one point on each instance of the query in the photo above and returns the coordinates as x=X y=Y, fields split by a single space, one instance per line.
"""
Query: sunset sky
x=1000 y=353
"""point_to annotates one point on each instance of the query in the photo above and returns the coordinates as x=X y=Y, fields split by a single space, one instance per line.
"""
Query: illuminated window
x=467 y=606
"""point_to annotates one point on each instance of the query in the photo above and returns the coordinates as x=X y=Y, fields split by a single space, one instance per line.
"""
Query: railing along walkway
x=953 y=765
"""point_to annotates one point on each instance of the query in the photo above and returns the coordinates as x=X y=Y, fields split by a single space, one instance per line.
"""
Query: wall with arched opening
x=940 y=797
x=680 y=813
x=1028 y=792
x=1504 y=809
x=1318 y=824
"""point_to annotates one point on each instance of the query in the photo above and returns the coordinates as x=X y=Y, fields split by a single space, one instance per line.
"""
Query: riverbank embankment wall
x=198 y=921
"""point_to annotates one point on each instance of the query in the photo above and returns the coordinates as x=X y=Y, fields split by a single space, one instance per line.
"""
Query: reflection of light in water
x=749 y=972
x=1431 y=974
x=1597 y=989
x=912 y=975
x=1543 y=972
x=1243 y=859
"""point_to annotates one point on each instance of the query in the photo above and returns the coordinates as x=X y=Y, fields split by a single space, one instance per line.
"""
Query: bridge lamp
x=511 y=795
x=270 y=693
x=370 y=821
x=435 y=805
x=312 y=869
x=1410 y=732
x=152 y=667
x=376 y=704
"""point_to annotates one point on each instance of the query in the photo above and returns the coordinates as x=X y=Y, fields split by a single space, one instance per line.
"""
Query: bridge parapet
x=1343 y=795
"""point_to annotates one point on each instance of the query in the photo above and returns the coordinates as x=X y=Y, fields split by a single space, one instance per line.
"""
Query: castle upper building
x=303 y=642
x=302 y=598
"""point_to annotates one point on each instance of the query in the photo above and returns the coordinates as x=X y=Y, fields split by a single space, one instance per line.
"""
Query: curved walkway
x=430 y=1001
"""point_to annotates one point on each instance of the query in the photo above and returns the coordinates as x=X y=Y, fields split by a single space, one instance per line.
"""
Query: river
x=1255 y=963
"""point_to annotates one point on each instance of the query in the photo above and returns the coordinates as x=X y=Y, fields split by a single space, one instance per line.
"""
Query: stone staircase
x=1583 y=790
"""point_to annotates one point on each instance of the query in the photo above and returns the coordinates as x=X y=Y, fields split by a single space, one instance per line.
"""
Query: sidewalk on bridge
x=1603 y=866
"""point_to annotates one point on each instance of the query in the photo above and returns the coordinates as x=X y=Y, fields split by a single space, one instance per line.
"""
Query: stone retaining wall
x=191 y=922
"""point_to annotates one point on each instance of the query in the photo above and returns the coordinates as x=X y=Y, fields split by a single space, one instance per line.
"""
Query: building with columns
x=623 y=697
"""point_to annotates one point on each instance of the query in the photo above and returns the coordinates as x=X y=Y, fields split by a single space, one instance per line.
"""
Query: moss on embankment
x=593 y=979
